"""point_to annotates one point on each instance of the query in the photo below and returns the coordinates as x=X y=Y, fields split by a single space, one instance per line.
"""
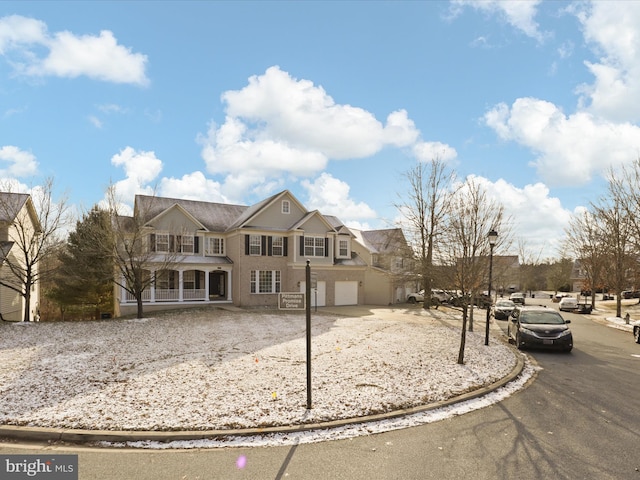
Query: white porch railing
x=170 y=295
x=167 y=295
x=194 y=294
x=146 y=296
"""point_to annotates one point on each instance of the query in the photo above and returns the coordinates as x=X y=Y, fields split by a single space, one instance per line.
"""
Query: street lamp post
x=493 y=238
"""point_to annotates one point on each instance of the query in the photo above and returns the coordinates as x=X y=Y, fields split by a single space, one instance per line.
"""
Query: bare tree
x=466 y=247
x=584 y=237
x=134 y=255
x=36 y=228
x=618 y=230
x=425 y=210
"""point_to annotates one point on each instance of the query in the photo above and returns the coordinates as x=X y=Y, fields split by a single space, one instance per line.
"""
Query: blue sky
x=335 y=101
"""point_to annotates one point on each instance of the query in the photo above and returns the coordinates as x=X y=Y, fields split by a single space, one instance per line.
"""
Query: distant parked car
x=517 y=298
x=437 y=297
x=558 y=296
x=568 y=304
x=636 y=333
x=502 y=309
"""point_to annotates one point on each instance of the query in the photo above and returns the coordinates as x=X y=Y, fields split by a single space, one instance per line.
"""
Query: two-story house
x=247 y=255
x=19 y=226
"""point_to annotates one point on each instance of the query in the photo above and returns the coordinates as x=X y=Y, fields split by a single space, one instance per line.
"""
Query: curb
x=87 y=436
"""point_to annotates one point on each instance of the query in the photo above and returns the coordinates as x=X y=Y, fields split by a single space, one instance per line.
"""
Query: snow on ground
x=212 y=369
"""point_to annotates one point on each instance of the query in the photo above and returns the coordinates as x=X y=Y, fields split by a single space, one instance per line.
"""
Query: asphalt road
x=578 y=419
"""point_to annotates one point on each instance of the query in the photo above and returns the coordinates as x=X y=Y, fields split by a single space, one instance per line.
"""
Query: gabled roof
x=177 y=206
x=215 y=217
x=254 y=210
x=308 y=217
x=338 y=225
x=11 y=204
x=382 y=241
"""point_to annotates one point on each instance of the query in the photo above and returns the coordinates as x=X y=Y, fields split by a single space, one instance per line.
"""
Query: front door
x=217 y=285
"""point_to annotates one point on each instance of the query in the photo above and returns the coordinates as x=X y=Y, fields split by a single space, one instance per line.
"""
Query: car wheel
x=636 y=334
x=411 y=300
x=520 y=347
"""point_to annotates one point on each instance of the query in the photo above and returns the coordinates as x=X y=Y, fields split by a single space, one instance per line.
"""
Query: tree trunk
x=27 y=304
x=140 y=313
x=463 y=336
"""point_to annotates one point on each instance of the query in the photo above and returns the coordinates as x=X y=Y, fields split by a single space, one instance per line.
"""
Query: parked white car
x=568 y=304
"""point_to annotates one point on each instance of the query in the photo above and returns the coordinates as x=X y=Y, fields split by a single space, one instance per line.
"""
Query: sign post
x=308 y=308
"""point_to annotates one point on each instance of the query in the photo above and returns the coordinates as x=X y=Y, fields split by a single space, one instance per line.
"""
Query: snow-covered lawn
x=213 y=369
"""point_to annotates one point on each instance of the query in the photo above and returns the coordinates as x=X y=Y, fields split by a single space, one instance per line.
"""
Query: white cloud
x=20 y=163
x=192 y=186
x=331 y=197
x=280 y=125
x=68 y=55
x=613 y=29
x=519 y=14
x=538 y=219
x=571 y=149
x=17 y=31
x=141 y=168
x=427 y=151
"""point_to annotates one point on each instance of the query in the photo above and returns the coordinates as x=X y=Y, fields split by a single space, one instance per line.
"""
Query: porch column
x=207 y=273
x=180 y=286
x=229 y=292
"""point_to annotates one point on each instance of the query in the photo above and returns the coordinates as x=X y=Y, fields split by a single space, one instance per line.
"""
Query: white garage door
x=346 y=293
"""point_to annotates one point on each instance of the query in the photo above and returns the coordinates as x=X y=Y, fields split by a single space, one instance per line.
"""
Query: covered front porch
x=182 y=286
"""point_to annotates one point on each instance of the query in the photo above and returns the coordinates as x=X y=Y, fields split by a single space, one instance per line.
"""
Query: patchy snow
x=210 y=369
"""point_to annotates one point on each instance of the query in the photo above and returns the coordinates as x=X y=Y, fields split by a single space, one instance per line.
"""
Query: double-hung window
x=343 y=248
x=314 y=246
x=265 y=281
x=186 y=243
x=255 y=245
x=215 y=246
x=162 y=242
x=277 y=246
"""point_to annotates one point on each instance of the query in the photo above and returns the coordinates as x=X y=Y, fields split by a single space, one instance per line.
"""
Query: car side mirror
x=567 y=321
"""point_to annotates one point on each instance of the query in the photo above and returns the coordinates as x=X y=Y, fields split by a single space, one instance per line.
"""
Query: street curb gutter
x=87 y=436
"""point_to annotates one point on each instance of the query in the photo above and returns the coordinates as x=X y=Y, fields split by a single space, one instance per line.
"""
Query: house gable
x=279 y=212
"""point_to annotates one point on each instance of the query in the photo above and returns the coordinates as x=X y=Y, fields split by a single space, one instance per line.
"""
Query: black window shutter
x=270 y=245
x=152 y=242
x=302 y=246
x=172 y=243
x=246 y=244
x=285 y=246
x=263 y=244
x=326 y=247
x=196 y=245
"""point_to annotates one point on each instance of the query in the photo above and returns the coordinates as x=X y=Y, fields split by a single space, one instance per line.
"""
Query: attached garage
x=346 y=293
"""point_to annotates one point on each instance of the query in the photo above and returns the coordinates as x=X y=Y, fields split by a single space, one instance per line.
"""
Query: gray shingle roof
x=11 y=204
x=216 y=217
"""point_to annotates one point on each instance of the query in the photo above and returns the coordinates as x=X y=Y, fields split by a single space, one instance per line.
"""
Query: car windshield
x=505 y=303
x=545 y=318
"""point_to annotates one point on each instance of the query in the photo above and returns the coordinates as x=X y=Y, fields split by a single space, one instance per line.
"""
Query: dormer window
x=343 y=248
x=286 y=207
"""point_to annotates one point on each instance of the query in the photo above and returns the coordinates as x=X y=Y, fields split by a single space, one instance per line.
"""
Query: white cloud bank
x=66 y=54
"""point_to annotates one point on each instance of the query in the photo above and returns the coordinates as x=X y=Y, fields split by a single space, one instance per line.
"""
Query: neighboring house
x=579 y=278
x=18 y=223
x=247 y=255
x=389 y=277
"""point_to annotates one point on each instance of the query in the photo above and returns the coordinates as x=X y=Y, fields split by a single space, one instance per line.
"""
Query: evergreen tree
x=85 y=273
